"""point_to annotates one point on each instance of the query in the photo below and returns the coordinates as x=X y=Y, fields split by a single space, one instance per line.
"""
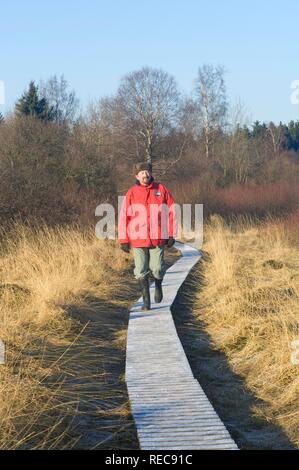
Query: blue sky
x=94 y=43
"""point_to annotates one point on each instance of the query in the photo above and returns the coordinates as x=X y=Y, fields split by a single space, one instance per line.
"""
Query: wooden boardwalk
x=170 y=409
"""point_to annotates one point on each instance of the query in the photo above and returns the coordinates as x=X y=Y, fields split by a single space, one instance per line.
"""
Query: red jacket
x=147 y=216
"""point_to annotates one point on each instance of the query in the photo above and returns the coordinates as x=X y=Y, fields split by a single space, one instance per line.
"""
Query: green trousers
x=149 y=260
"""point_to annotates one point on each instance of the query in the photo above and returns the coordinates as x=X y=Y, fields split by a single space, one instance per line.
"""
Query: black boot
x=144 y=284
x=158 y=290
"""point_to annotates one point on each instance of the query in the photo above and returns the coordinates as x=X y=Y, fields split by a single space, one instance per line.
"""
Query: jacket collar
x=137 y=183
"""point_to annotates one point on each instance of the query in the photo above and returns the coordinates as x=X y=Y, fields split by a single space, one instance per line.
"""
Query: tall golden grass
x=249 y=304
x=41 y=272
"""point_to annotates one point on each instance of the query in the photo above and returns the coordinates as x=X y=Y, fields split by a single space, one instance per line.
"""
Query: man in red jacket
x=147 y=224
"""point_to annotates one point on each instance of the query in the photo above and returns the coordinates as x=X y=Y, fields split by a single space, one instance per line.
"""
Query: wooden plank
x=170 y=409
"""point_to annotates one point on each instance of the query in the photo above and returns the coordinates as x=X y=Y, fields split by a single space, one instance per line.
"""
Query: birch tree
x=211 y=101
x=148 y=101
x=63 y=103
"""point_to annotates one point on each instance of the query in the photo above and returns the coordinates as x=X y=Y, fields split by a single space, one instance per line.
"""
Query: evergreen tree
x=246 y=131
x=30 y=104
x=293 y=135
x=258 y=130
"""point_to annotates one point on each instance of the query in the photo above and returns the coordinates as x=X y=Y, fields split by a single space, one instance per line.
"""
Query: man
x=147 y=224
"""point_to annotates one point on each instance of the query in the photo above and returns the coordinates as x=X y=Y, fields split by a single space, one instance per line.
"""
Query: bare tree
x=62 y=102
x=236 y=155
x=276 y=134
x=211 y=101
x=188 y=117
x=148 y=102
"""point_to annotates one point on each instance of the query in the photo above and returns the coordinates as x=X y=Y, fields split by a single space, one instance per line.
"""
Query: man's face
x=143 y=177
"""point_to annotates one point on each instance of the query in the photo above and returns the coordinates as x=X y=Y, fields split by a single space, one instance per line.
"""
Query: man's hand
x=125 y=247
x=170 y=242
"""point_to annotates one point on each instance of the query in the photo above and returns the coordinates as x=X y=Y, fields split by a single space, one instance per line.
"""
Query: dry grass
x=45 y=274
x=63 y=322
x=249 y=305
